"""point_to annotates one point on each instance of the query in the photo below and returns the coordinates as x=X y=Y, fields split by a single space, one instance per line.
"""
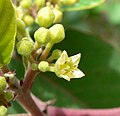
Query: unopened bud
x=56 y=53
x=40 y=3
x=57 y=33
x=26 y=3
x=28 y=20
x=43 y=66
x=9 y=96
x=34 y=66
x=3 y=111
x=3 y=83
x=25 y=46
x=42 y=35
x=20 y=29
x=58 y=15
x=45 y=17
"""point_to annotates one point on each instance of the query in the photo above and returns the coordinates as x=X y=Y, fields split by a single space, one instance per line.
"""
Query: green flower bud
x=25 y=46
x=57 y=33
x=3 y=83
x=56 y=53
x=42 y=35
x=20 y=29
x=19 y=12
x=45 y=17
x=25 y=3
x=43 y=66
x=3 y=111
x=69 y=2
x=8 y=96
x=40 y=3
x=34 y=66
x=28 y=20
x=58 y=15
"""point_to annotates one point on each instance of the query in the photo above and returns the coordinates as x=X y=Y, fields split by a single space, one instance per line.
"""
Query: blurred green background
x=95 y=34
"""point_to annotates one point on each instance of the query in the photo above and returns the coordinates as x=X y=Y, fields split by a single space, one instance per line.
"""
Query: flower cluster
x=35 y=52
x=6 y=95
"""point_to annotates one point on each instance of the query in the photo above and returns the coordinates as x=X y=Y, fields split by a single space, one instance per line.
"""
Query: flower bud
x=40 y=3
x=57 y=33
x=42 y=35
x=43 y=66
x=3 y=111
x=20 y=29
x=45 y=17
x=28 y=20
x=34 y=66
x=56 y=53
x=8 y=96
x=19 y=12
x=25 y=46
x=58 y=15
x=25 y=3
x=3 y=83
x=69 y=2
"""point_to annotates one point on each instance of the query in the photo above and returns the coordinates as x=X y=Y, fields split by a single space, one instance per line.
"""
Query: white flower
x=66 y=67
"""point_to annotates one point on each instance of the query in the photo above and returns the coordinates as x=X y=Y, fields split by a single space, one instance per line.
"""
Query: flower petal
x=75 y=59
x=62 y=58
x=66 y=77
x=77 y=73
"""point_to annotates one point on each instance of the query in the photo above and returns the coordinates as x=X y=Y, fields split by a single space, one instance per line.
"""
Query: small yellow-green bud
x=69 y=2
x=3 y=83
x=42 y=35
x=57 y=33
x=20 y=29
x=43 y=66
x=56 y=53
x=19 y=12
x=3 y=111
x=28 y=20
x=34 y=66
x=58 y=15
x=9 y=96
x=26 y=3
x=39 y=3
x=45 y=17
x=25 y=46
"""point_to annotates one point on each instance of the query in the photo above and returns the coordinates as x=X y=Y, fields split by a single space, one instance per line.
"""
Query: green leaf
x=7 y=31
x=83 y=4
x=98 y=89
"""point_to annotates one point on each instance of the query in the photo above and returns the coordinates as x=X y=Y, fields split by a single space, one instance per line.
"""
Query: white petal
x=76 y=59
x=62 y=58
x=66 y=77
x=78 y=73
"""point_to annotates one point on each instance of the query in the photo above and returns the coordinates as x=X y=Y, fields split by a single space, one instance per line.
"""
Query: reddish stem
x=28 y=81
x=27 y=102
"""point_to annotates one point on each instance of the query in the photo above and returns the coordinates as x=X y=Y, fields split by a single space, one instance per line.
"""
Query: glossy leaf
x=98 y=89
x=83 y=4
x=7 y=31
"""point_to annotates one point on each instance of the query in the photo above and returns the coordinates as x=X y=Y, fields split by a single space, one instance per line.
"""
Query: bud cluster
x=48 y=15
x=40 y=10
x=6 y=95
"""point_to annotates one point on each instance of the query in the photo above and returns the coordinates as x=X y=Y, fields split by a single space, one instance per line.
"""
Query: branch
x=23 y=92
x=28 y=81
x=28 y=103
